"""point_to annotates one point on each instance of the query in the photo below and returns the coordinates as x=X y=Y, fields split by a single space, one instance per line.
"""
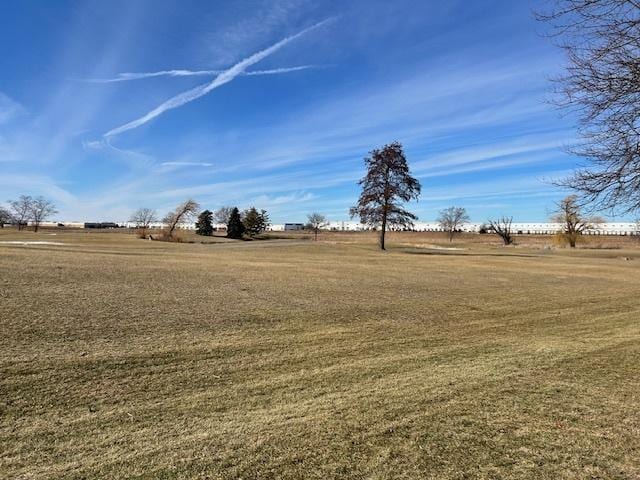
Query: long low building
x=521 y=228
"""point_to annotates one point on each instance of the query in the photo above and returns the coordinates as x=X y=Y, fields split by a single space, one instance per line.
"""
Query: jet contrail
x=125 y=77
x=222 y=78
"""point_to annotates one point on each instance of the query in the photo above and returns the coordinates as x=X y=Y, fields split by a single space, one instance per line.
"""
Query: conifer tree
x=385 y=187
x=235 y=227
x=204 y=224
x=255 y=222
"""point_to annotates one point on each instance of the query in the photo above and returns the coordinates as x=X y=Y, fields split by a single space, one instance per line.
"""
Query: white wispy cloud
x=9 y=108
x=294 y=198
x=186 y=164
x=223 y=78
x=128 y=76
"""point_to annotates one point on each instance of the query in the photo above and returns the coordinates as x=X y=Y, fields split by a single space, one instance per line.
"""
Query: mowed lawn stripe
x=317 y=361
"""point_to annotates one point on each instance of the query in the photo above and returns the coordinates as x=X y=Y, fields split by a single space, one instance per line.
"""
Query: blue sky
x=463 y=85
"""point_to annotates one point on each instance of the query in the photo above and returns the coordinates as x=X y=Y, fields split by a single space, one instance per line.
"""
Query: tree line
x=250 y=222
x=27 y=210
x=388 y=184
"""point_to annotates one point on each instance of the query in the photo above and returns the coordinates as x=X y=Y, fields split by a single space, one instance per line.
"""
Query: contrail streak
x=125 y=77
x=222 y=78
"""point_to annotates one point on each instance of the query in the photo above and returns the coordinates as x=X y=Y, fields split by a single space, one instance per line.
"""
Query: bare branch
x=601 y=39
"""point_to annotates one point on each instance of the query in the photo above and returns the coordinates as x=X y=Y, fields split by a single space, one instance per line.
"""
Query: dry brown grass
x=124 y=358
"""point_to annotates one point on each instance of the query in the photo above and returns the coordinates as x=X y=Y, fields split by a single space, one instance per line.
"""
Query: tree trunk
x=315 y=231
x=35 y=227
x=382 y=232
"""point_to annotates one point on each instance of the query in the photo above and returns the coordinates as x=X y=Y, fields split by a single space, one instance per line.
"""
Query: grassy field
x=124 y=358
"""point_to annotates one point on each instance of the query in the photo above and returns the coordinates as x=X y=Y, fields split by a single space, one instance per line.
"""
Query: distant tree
x=452 y=219
x=255 y=222
x=5 y=217
x=385 y=187
x=235 y=227
x=222 y=215
x=574 y=223
x=601 y=40
x=21 y=210
x=182 y=213
x=204 y=223
x=484 y=228
x=502 y=228
x=316 y=221
x=41 y=209
x=143 y=218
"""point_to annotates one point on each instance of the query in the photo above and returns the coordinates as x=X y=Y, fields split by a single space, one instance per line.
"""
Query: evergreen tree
x=204 y=224
x=255 y=222
x=235 y=227
x=386 y=186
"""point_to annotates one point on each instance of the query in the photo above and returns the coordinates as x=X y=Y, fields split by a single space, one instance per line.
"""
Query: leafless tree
x=601 y=39
x=222 y=215
x=452 y=219
x=385 y=187
x=143 y=218
x=502 y=228
x=41 y=209
x=316 y=222
x=5 y=217
x=21 y=210
x=574 y=223
x=183 y=213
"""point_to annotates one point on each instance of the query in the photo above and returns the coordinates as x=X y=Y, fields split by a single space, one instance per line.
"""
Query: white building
x=521 y=228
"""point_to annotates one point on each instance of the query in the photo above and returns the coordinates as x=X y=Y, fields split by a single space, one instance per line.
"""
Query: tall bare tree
x=222 y=215
x=5 y=217
x=452 y=219
x=502 y=228
x=316 y=221
x=21 y=210
x=182 y=213
x=143 y=218
x=572 y=220
x=385 y=187
x=601 y=39
x=41 y=209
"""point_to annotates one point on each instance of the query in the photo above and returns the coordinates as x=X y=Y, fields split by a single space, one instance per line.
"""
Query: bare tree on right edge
x=601 y=39
x=316 y=221
x=182 y=213
x=452 y=219
x=21 y=210
x=143 y=218
x=386 y=185
x=502 y=228
x=574 y=223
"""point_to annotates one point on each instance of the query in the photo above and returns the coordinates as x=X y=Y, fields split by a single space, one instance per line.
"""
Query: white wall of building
x=524 y=228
